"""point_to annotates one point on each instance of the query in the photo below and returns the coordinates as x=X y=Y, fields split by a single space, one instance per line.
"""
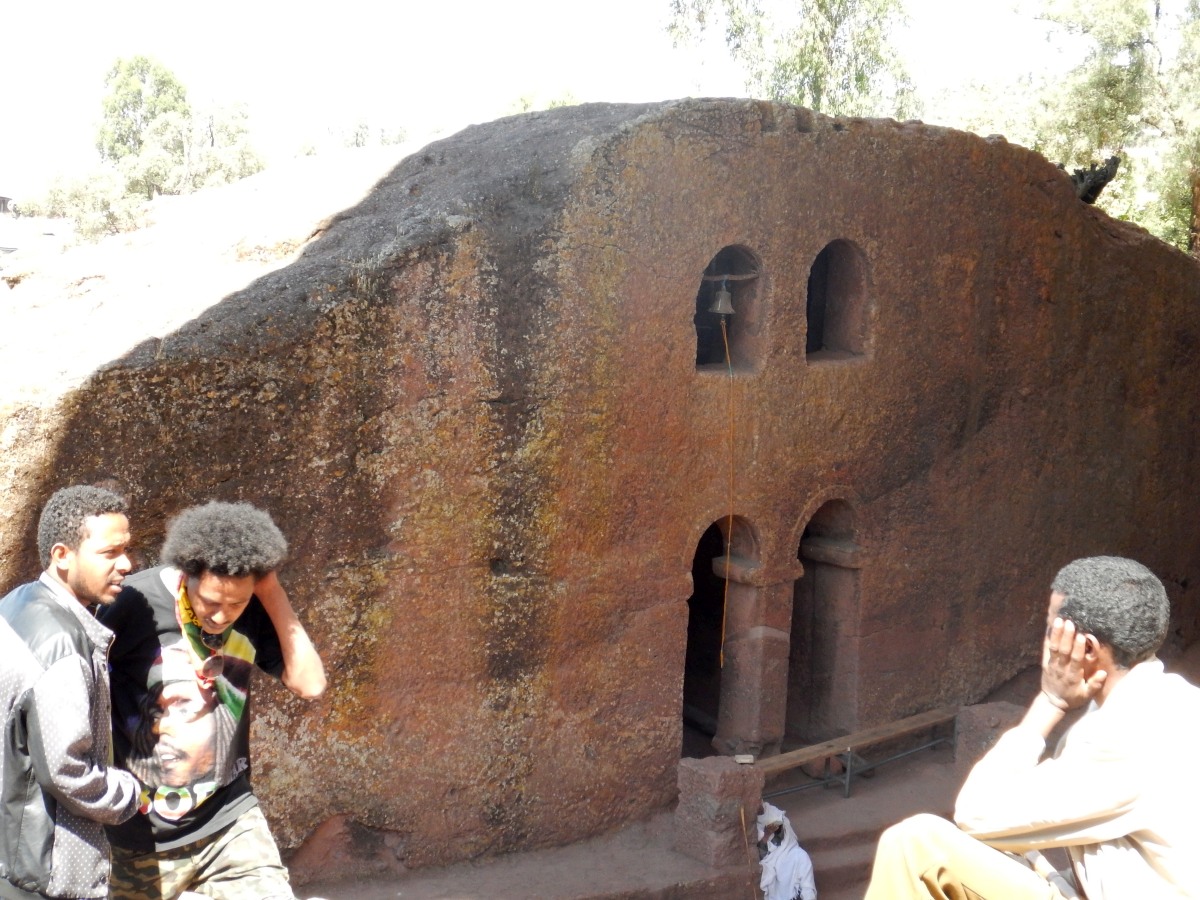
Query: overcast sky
x=421 y=65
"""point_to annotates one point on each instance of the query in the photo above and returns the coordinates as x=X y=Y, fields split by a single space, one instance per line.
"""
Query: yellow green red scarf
x=229 y=695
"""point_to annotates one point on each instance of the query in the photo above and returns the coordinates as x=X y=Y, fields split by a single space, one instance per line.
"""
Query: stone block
x=718 y=805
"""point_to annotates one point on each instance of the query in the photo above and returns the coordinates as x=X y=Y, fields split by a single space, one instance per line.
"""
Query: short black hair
x=224 y=539
x=64 y=517
x=1119 y=601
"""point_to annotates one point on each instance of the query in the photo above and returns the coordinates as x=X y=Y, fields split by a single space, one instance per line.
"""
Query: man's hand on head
x=268 y=587
x=1069 y=680
x=303 y=671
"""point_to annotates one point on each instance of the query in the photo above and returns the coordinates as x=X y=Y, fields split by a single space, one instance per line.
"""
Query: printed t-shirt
x=181 y=713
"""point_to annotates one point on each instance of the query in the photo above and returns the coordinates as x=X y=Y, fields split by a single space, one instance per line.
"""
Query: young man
x=1125 y=818
x=56 y=789
x=189 y=633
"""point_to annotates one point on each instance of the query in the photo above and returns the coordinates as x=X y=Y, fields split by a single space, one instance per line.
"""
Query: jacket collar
x=98 y=634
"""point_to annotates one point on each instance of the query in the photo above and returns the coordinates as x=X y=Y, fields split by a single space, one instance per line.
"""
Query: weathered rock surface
x=473 y=402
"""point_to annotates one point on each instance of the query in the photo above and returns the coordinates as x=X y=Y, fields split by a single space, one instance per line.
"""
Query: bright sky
x=421 y=65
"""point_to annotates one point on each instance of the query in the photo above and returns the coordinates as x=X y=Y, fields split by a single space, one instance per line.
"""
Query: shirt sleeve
x=66 y=761
x=268 y=655
x=1013 y=801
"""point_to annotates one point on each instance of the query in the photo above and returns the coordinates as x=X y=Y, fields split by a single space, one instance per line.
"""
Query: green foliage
x=1133 y=94
x=1134 y=90
x=834 y=56
x=158 y=144
x=150 y=143
x=1104 y=104
x=139 y=91
x=535 y=103
x=366 y=134
x=97 y=203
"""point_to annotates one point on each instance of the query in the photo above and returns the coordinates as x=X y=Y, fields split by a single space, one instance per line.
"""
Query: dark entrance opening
x=702 y=661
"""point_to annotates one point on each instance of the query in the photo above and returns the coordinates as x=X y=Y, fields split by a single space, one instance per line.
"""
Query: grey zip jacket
x=56 y=788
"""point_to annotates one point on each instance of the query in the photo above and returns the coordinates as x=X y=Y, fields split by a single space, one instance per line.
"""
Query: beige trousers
x=927 y=856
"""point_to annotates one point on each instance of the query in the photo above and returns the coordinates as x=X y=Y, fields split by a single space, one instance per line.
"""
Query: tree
x=831 y=55
x=160 y=146
x=367 y=134
x=1133 y=94
x=150 y=143
x=222 y=149
x=181 y=155
x=1132 y=91
x=139 y=91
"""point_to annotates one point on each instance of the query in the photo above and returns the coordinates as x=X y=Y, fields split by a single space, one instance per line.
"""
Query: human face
x=219 y=600
x=186 y=728
x=94 y=570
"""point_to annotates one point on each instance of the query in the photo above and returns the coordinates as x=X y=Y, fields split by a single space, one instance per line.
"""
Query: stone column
x=834 y=566
x=754 y=678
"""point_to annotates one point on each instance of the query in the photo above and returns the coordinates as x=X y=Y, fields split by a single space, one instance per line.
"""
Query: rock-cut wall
x=489 y=406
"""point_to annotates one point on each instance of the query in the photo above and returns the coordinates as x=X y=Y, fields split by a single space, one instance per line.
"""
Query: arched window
x=838 y=304
x=729 y=293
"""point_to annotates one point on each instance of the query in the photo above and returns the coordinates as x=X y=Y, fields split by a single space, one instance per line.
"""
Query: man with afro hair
x=189 y=634
x=57 y=789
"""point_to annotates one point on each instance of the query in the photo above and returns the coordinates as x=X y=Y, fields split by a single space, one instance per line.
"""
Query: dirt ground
x=639 y=863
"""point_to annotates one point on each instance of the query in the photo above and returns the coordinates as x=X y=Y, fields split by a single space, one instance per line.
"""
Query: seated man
x=189 y=634
x=1107 y=796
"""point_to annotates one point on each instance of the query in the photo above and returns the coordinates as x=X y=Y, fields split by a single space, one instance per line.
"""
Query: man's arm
x=1013 y=800
x=66 y=761
x=303 y=671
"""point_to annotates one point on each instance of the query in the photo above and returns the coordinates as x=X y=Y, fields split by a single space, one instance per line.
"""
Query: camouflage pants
x=240 y=863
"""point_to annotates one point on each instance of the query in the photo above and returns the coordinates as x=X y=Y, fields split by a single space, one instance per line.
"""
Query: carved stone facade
x=530 y=501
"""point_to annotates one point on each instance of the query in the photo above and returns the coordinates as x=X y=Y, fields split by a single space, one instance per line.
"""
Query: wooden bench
x=844 y=748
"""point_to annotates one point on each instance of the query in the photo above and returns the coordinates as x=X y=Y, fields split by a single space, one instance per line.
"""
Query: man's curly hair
x=1119 y=601
x=224 y=539
x=64 y=517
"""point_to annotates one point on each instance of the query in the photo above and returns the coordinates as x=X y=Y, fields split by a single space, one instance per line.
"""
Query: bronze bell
x=722 y=303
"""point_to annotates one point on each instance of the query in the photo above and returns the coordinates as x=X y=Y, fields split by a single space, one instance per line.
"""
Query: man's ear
x=60 y=555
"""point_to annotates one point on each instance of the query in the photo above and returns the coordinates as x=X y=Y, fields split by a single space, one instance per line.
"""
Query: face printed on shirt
x=186 y=727
x=186 y=724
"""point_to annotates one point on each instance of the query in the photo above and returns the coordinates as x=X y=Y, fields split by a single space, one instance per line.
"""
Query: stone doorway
x=702 y=661
x=822 y=670
x=724 y=675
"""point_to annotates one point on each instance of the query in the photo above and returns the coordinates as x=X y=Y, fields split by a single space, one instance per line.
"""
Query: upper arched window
x=838 y=304
x=728 y=295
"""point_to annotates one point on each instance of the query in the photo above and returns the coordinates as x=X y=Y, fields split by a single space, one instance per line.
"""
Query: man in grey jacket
x=57 y=790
